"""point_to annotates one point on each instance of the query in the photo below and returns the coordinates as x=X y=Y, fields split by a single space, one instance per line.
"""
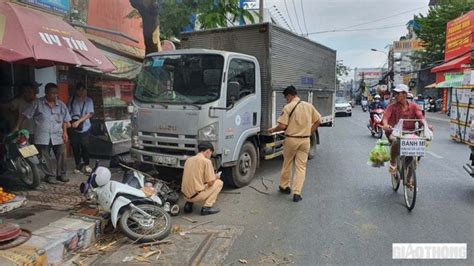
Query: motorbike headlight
x=208 y=133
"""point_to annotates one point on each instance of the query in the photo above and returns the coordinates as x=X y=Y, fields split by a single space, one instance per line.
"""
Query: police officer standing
x=299 y=120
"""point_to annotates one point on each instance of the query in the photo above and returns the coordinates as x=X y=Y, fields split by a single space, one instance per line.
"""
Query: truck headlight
x=208 y=133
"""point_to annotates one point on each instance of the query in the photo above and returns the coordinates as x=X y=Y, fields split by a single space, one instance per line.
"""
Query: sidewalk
x=437 y=116
x=54 y=234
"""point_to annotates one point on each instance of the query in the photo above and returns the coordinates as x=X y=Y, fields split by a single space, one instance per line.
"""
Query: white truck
x=224 y=86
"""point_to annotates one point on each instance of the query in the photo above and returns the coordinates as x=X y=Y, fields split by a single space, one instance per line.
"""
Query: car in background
x=343 y=107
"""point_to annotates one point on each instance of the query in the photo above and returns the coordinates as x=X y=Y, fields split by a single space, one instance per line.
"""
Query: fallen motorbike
x=136 y=210
x=20 y=158
x=375 y=122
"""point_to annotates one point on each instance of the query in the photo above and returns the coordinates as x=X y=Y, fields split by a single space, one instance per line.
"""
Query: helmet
x=377 y=96
x=102 y=176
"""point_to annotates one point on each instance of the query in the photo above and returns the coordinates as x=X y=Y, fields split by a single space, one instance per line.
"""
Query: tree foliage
x=173 y=15
x=341 y=70
x=432 y=30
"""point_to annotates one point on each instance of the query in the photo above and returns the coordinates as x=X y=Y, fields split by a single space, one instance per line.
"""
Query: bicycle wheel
x=396 y=179
x=409 y=182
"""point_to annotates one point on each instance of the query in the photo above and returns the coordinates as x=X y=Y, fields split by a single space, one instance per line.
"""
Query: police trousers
x=295 y=155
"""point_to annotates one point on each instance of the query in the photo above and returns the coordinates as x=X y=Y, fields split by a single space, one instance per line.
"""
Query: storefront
x=454 y=77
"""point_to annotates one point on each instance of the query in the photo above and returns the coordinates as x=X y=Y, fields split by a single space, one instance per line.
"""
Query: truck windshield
x=180 y=79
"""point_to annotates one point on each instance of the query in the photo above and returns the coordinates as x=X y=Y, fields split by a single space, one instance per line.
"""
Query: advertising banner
x=59 y=6
x=407 y=46
x=459 y=36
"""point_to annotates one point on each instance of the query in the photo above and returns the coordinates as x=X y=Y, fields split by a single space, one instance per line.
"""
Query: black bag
x=74 y=118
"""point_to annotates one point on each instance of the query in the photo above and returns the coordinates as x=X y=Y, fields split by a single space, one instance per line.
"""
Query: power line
x=304 y=19
x=328 y=31
x=296 y=15
x=379 y=19
x=289 y=17
x=283 y=18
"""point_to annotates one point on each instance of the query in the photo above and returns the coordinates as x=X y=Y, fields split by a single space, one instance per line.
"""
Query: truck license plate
x=412 y=147
x=164 y=159
x=28 y=151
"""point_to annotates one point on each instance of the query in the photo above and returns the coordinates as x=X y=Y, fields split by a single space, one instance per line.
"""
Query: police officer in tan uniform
x=200 y=183
x=300 y=120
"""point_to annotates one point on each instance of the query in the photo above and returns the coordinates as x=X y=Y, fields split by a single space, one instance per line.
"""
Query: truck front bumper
x=173 y=161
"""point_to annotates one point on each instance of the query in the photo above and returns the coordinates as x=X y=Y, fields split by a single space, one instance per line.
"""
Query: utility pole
x=260 y=11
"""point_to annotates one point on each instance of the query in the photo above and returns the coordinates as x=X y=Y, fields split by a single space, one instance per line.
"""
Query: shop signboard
x=459 y=36
x=407 y=45
x=58 y=6
x=249 y=4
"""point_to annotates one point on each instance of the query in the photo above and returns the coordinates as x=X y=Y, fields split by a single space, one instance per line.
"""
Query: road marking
x=434 y=155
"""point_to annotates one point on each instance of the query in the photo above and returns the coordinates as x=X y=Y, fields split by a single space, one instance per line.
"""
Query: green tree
x=341 y=71
x=172 y=15
x=432 y=29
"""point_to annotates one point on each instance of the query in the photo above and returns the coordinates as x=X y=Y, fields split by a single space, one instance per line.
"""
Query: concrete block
x=73 y=224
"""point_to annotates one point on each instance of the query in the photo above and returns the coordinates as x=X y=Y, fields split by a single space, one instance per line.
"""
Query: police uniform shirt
x=198 y=171
x=302 y=119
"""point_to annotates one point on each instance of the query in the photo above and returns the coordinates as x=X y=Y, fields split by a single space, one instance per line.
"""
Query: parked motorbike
x=20 y=158
x=431 y=105
x=136 y=210
x=375 y=122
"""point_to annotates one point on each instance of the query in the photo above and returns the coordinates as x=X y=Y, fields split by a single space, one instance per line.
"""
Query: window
x=241 y=80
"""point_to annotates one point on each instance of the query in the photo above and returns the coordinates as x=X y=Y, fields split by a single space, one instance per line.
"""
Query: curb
x=54 y=243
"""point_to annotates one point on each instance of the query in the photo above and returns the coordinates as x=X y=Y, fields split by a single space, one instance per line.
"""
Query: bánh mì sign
x=412 y=147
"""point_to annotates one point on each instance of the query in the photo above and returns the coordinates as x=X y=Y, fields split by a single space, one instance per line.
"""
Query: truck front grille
x=172 y=144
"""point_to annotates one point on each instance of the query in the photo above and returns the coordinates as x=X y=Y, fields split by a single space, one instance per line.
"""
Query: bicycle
x=412 y=145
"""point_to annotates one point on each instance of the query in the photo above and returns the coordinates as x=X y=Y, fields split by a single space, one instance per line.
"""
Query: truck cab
x=187 y=96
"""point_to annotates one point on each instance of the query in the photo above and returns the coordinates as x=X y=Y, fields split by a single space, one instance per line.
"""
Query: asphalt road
x=349 y=213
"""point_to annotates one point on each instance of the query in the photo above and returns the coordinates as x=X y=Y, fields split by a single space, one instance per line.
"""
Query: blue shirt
x=75 y=111
x=48 y=121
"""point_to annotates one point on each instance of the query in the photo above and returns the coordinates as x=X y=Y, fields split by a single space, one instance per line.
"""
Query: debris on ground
x=188 y=219
x=243 y=261
x=258 y=190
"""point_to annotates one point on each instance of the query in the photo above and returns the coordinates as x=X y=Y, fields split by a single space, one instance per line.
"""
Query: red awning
x=31 y=37
x=453 y=64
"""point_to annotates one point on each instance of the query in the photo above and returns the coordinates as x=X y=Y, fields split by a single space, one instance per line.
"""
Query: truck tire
x=244 y=171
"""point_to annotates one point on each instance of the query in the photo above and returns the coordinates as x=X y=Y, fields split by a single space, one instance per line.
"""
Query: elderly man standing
x=51 y=118
x=300 y=120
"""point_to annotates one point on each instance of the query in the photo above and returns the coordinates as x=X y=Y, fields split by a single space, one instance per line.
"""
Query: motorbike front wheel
x=142 y=229
x=28 y=172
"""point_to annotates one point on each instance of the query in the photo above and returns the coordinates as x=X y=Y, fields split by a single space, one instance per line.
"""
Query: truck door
x=242 y=117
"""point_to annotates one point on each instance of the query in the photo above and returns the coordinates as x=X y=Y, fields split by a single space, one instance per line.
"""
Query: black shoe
x=62 y=179
x=285 y=190
x=209 y=210
x=188 y=207
x=49 y=179
x=297 y=198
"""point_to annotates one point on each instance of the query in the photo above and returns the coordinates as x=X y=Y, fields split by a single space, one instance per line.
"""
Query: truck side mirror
x=233 y=89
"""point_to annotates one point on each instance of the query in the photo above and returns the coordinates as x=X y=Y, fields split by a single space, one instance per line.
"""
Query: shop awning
x=457 y=81
x=30 y=37
x=431 y=86
x=125 y=68
x=454 y=64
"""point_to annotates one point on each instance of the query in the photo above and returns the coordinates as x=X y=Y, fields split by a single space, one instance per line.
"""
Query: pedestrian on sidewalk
x=200 y=183
x=51 y=119
x=81 y=109
x=20 y=104
x=299 y=120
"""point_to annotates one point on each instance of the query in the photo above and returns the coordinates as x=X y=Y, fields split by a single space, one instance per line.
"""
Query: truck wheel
x=242 y=174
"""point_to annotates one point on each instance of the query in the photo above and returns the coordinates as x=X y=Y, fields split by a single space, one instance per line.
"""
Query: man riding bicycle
x=400 y=109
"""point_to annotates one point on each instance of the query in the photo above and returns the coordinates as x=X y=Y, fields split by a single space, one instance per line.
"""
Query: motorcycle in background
x=365 y=104
x=136 y=210
x=20 y=158
x=375 y=123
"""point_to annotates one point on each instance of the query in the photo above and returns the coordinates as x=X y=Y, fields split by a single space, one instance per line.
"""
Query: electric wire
x=304 y=18
x=289 y=17
x=296 y=15
x=378 y=28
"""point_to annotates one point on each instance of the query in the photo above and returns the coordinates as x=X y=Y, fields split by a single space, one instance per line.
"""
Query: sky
x=353 y=47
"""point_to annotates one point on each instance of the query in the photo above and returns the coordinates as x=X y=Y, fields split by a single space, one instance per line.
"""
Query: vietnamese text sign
x=60 y=6
x=407 y=45
x=459 y=36
x=412 y=147
x=429 y=251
